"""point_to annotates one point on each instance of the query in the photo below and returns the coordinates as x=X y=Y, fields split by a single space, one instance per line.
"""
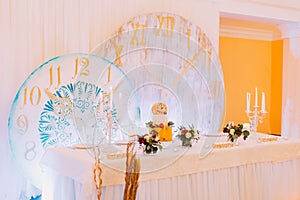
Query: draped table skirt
x=252 y=170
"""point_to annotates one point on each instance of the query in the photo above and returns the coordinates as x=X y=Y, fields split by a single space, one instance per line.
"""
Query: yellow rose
x=231 y=131
x=147 y=138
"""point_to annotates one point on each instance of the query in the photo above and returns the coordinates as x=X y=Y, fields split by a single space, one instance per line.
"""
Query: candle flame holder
x=255 y=116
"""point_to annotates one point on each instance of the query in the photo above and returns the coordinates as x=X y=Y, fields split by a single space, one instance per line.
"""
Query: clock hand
x=61 y=104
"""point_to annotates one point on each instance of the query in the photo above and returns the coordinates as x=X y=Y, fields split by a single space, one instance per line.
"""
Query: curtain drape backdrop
x=32 y=32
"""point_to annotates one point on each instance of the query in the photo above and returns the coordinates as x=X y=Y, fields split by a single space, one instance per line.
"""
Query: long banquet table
x=250 y=170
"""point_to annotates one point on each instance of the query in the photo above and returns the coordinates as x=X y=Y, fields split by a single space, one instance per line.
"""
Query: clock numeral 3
x=22 y=122
x=30 y=152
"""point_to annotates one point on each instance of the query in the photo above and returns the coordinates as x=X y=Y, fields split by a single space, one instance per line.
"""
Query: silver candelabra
x=255 y=116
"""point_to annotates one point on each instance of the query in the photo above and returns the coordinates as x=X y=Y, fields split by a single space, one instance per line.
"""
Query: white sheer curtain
x=32 y=32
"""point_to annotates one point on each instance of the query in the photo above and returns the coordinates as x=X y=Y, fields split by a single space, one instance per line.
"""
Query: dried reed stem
x=132 y=173
x=97 y=172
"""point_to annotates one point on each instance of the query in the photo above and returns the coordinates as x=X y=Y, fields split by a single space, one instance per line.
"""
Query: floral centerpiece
x=187 y=135
x=150 y=142
x=235 y=131
x=164 y=131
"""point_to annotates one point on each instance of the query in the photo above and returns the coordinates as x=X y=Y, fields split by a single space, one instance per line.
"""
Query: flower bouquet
x=150 y=142
x=235 y=131
x=187 y=135
x=164 y=131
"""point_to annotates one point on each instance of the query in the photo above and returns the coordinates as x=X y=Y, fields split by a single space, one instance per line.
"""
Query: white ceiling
x=287 y=11
x=259 y=19
x=285 y=4
x=237 y=28
x=252 y=18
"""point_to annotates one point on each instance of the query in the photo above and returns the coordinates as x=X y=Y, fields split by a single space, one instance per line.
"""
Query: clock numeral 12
x=84 y=63
x=34 y=99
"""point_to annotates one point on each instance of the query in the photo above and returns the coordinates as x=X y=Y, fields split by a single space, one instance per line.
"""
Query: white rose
x=231 y=131
x=188 y=135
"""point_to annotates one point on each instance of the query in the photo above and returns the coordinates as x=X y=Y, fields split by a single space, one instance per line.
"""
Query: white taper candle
x=263 y=102
x=248 y=96
x=256 y=98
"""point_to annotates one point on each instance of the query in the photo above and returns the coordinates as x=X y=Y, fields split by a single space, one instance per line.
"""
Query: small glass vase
x=186 y=143
x=234 y=141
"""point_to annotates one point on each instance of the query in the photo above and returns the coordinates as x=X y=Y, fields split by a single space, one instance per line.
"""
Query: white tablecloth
x=251 y=170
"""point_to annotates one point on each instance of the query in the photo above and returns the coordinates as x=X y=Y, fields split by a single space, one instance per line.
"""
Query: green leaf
x=246 y=134
x=160 y=146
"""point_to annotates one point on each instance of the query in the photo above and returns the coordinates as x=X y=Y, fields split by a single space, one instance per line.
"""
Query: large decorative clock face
x=170 y=60
x=43 y=111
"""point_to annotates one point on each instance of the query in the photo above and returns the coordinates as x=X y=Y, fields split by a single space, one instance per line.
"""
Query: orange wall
x=248 y=64
x=276 y=90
